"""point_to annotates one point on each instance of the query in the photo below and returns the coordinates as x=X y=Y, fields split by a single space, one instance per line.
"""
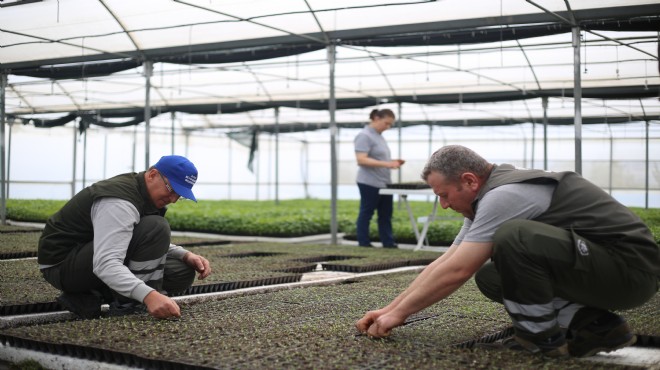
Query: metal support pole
x=332 y=106
x=544 y=101
x=173 y=117
x=577 y=99
x=277 y=155
x=75 y=157
x=84 y=165
x=646 y=167
x=611 y=158
x=134 y=149
x=3 y=195
x=148 y=70
x=533 y=165
x=11 y=125
x=229 y=159
x=400 y=124
x=256 y=169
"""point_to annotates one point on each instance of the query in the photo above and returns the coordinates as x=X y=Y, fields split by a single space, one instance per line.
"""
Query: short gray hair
x=452 y=161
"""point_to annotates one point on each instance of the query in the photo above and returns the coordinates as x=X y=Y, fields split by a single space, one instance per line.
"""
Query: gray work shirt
x=506 y=202
x=372 y=142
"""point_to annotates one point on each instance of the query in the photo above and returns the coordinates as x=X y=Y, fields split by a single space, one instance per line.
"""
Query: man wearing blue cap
x=111 y=243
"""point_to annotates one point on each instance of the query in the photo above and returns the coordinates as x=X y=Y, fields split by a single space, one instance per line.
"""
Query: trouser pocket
x=582 y=252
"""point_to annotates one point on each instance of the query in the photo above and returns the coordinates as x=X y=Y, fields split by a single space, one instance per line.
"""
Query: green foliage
x=32 y=210
x=291 y=218
x=650 y=216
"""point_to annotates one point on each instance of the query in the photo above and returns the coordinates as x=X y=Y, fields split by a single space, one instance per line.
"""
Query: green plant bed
x=303 y=328
x=18 y=244
x=290 y=218
x=260 y=264
x=269 y=259
x=23 y=242
x=21 y=282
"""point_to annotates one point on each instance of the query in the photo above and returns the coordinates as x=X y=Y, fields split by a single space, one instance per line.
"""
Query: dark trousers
x=370 y=201
x=150 y=242
x=535 y=262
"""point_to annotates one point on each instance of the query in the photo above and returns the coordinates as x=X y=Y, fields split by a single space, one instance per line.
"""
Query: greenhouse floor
x=647 y=358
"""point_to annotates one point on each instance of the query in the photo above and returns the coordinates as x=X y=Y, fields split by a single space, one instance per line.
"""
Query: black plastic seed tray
x=22 y=309
x=420 y=261
x=325 y=258
x=233 y=285
x=203 y=243
x=490 y=338
x=96 y=354
x=647 y=341
x=409 y=185
x=251 y=254
x=13 y=255
x=363 y=268
x=298 y=270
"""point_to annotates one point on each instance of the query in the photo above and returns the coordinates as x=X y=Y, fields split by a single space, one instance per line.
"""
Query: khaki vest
x=588 y=211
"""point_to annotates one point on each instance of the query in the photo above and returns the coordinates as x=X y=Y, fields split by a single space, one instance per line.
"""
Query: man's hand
x=199 y=263
x=379 y=323
x=161 y=306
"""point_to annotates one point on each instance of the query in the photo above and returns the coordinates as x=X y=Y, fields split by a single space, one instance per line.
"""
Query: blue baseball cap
x=181 y=174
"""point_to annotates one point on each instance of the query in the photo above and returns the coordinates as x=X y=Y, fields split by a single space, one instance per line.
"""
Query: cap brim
x=183 y=191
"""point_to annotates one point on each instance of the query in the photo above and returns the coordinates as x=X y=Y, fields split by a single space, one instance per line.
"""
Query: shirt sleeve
x=176 y=252
x=114 y=220
x=362 y=143
x=508 y=202
x=464 y=229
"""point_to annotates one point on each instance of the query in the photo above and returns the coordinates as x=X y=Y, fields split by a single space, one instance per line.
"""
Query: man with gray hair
x=111 y=243
x=563 y=253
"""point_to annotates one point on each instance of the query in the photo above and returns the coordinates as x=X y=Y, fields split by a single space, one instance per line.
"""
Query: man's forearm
x=424 y=278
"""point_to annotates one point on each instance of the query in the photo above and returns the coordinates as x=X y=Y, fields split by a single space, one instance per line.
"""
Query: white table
x=403 y=193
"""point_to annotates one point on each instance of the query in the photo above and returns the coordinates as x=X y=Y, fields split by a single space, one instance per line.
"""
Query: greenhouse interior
x=267 y=97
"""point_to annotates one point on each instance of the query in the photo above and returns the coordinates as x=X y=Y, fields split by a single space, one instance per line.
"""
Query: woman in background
x=374 y=173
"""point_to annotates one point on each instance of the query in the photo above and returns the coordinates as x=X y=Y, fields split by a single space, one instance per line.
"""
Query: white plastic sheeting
x=60 y=33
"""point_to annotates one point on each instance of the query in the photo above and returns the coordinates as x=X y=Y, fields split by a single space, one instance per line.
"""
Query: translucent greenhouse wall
x=41 y=160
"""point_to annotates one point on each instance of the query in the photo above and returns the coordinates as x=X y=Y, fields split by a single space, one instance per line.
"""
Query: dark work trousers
x=370 y=201
x=535 y=263
x=146 y=258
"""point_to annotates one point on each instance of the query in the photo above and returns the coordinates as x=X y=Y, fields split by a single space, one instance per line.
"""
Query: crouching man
x=110 y=243
x=563 y=254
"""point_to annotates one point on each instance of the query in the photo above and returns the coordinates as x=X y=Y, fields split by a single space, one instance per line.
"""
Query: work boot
x=125 y=308
x=594 y=330
x=85 y=305
x=553 y=347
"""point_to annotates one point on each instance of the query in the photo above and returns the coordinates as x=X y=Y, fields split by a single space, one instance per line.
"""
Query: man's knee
x=154 y=224
x=151 y=239
x=177 y=277
x=489 y=282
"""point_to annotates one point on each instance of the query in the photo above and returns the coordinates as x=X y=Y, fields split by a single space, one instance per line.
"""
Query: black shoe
x=366 y=246
x=594 y=330
x=85 y=305
x=393 y=246
x=125 y=308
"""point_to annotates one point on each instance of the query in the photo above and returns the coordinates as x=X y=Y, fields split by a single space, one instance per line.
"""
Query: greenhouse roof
x=440 y=62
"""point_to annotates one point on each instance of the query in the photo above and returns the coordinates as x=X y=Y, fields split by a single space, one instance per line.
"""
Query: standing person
x=564 y=254
x=375 y=162
x=111 y=243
